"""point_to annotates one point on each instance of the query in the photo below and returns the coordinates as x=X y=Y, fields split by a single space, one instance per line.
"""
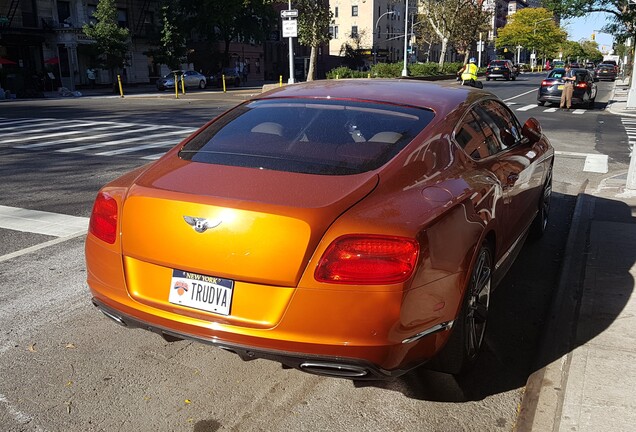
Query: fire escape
x=5 y=21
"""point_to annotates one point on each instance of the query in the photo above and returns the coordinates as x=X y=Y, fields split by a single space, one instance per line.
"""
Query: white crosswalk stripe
x=630 y=128
x=93 y=137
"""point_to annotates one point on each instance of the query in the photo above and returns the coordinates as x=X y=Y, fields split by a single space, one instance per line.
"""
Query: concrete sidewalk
x=587 y=376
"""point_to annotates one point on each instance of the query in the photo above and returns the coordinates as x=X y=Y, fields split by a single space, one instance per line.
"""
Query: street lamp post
x=405 y=71
x=377 y=23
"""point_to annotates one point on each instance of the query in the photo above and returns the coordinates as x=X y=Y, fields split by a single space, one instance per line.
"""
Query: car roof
x=442 y=98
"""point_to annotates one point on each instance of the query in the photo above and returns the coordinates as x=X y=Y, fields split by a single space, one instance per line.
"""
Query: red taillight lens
x=545 y=83
x=368 y=260
x=103 y=224
x=581 y=85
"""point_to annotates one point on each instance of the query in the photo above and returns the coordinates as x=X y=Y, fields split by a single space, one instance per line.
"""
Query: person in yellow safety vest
x=469 y=71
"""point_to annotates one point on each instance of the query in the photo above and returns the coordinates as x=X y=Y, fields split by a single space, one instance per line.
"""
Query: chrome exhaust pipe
x=115 y=318
x=334 y=369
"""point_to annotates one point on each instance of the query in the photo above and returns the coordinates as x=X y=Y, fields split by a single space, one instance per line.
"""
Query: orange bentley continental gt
x=348 y=228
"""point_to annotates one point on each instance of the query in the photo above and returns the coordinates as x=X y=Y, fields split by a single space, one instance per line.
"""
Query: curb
x=542 y=401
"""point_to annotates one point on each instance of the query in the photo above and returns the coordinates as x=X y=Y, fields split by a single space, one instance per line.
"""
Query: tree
x=171 y=50
x=314 y=17
x=533 y=28
x=622 y=23
x=591 y=51
x=111 y=41
x=445 y=19
x=475 y=20
x=231 y=21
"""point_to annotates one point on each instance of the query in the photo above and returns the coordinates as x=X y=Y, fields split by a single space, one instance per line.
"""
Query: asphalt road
x=65 y=367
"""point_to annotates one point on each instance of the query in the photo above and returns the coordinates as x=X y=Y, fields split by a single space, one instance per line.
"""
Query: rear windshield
x=498 y=63
x=330 y=137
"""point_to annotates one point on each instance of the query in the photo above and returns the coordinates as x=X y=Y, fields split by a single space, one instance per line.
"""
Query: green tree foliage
x=532 y=28
x=111 y=41
x=622 y=22
x=448 y=20
x=230 y=21
x=171 y=47
x=591 y=51
x=314 y=17
x=475 y=19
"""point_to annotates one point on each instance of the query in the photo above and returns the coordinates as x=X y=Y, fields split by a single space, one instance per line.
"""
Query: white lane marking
x=55 y=134
x=597 y=163
x=41 y=222
x=154 y=156
x=550 y=110
x=579 y=111
x=124 y=141
x=18 y=416
x=527 y=107
x=519 y=95
x=37 y=247
x=89 y=137
x=167 y=144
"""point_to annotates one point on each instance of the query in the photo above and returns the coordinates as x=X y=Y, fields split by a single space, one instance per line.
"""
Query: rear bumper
x=332 y=366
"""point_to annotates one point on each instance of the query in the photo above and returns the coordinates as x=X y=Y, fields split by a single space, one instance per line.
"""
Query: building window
x=122 y=17
x=354 y=10
x=333 y=31
x=64 y=13
x=354 y=31
x=335 y=14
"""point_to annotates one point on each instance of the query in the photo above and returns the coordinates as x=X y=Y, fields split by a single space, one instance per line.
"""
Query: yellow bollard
x=176 y=87
x=121 y=89
x=280 y=81
x=182 y=85
x=337 y=76
x=368 y=75
x=223 y=79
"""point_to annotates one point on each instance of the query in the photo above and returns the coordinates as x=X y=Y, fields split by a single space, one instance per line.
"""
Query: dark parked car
x=190 y=79
x=590 y=66
x=232 y=78
x=348 y=228
x=584 y=88
x=605 y=71
x=501 y=69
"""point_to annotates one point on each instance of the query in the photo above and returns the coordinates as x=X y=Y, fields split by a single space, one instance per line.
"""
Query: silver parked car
x=190 y=78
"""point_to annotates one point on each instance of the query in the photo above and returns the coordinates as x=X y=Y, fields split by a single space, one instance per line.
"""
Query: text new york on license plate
x=202 y=292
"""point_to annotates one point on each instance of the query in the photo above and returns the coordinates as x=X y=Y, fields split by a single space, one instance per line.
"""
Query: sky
x=582 y=28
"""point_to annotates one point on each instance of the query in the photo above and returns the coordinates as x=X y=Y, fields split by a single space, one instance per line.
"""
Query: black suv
x=501 y=69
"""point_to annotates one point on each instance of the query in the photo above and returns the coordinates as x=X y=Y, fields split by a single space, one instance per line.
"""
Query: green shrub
x=345 y=72
x=386 y=70
x=424 y=69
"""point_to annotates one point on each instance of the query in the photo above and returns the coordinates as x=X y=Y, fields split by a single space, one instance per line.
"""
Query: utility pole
x=405 y=71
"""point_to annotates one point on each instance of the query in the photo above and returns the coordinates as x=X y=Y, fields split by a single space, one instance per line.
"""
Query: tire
x=201 y=84
x=487 y=79
x=540 y=222
x=540 y=103
x=591 y=103
x=463 y=346
x=514 y=78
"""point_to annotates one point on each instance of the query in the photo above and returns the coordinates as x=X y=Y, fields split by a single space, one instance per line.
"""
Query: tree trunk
x=442 y=54
x=311 y=73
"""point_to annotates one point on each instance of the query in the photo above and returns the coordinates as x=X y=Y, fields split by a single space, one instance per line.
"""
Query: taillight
x=581 y=85
x=546 y=83
x=368 y=259
x=103 y=224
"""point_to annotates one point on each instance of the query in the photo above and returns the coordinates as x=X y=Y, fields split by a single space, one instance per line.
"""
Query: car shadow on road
x=534 y=311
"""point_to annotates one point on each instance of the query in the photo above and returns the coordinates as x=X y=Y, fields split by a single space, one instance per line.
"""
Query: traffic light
x=593 y=36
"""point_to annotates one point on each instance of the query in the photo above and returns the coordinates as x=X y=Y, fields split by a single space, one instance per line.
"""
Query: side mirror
x=532 y=130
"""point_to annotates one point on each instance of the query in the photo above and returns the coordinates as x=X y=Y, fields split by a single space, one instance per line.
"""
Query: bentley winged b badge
x=200 y=224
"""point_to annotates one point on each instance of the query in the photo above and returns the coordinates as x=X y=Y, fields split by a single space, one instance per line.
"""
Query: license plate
x=560 y=87
x=496 y=68
x=208 y=293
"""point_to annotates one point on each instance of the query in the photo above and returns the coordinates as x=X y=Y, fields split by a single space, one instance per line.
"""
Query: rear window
x=556 y=73
x=499 y=63
x=329 y=137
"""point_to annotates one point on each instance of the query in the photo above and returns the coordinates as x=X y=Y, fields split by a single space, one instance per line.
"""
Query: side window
x=506 y=125
x=471 y=138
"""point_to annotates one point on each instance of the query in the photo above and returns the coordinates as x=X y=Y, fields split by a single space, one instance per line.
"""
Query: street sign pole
x=291 y=48
x=480 y=48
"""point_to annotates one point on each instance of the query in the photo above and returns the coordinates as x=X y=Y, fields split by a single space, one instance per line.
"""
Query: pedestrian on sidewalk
x=90 y=74
x=568 y=88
